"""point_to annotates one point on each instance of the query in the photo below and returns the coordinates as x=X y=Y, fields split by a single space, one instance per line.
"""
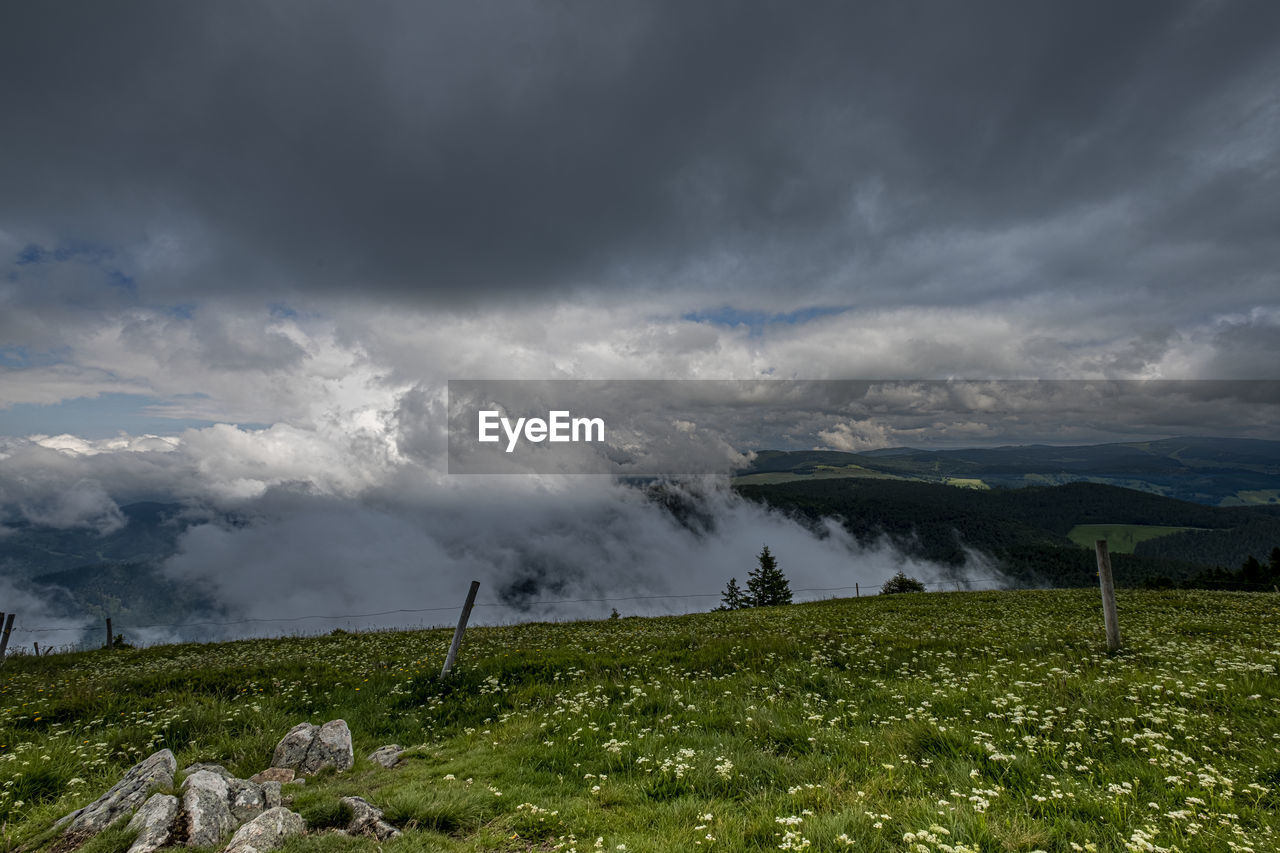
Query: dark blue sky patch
x=104 y=416
x=24 y=357
x=32 y=254
x=13 y=357
x=757 y=321
x=115 y=278
x=84 y=252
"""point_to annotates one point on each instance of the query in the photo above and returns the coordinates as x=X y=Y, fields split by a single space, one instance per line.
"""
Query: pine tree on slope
x=732 y=597
x=766 y=584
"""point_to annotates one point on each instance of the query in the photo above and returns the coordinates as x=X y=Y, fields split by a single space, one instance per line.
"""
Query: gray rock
x=212 y=768
x=273 y=774
x=245 y=800
x=266 y=831
x=156 y=771
x=331 y=748
x=292 y=749
x=366 y=819
x=206 y=801
x=271 y=795
x=308 y=748
x=388 y=756
x=154 y=823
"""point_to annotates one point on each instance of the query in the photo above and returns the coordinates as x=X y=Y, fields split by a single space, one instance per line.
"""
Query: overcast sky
x=216 y=207
x=245 y=244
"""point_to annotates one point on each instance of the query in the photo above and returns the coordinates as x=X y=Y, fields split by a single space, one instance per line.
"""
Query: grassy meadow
x=931 y=723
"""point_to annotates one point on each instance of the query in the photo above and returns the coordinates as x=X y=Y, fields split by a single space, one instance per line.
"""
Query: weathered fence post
x=462 y=627
x=857 y=593
x=108 y=645
x=4 y=637
x=1108 y=595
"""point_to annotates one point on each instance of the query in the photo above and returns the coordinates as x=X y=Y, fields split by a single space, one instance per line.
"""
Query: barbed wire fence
x=521 y=608
x=973 y=584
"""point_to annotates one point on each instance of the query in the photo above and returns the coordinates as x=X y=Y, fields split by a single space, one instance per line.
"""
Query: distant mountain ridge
x=150 y=534
x=1205 y=470
x=79 y=571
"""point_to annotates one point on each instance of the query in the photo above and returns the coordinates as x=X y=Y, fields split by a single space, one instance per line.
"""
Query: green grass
x=990 y=721
x=1121 y=538
x=966 y=482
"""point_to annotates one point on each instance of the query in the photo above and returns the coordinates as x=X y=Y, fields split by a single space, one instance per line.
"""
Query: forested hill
x=1213 y=471
x=1027 y=531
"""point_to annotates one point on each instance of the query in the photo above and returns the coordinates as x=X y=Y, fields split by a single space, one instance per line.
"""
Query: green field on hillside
x=1253 y=497
x=818 y=472
x=1121 y=538
x=991 y=721
x=966 y=482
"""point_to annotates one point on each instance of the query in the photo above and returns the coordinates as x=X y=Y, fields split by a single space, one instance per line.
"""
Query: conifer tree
x=1251 y=572
x=732 y=597
x=766 y=584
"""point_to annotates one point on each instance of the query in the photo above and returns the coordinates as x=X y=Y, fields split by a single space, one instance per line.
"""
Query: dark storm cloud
x=465 y=150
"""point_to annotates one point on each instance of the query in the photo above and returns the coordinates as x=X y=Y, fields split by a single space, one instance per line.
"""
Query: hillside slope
x=990 y=721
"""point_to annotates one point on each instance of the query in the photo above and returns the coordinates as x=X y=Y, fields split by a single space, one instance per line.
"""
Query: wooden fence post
x=4 y=637
x=462 y=627
x=108 y=645
x=857 y=593
x=1108 y=595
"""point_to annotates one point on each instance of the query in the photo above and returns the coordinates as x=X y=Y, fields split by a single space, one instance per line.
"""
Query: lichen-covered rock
x=124 y=798
x=331 y=748
x=206 y=802
x=266 y=831
x=271 y=795
x=388 y=756
x=154 y=823
x=308 y=748
x=366 y=819
x=292 y=749
x=245 y=800
x=273 y=774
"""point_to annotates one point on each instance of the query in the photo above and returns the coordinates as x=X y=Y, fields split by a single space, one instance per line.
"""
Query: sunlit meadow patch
x=929 y=723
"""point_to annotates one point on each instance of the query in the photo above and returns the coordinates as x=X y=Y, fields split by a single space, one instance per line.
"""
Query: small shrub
x=901 y=583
